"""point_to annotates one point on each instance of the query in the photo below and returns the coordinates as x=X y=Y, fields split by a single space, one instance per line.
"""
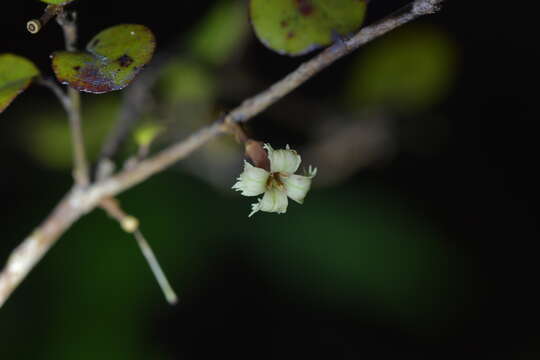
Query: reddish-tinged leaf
x=112 y=60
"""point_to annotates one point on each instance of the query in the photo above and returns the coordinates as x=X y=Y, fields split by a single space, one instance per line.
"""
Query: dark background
x=430 y=252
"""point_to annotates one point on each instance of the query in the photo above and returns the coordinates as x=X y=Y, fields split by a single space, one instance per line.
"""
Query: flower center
x=274 y=180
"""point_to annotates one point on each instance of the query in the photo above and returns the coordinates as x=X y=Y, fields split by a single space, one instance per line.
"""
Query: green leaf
x=16 y=73
x=112 y=60
x=296 y=27
x=57 y=2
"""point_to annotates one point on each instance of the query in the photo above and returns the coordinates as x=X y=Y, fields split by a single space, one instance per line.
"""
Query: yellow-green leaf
x=16 y=73
x=112 y=60
x=296 y=27
x=146 y=133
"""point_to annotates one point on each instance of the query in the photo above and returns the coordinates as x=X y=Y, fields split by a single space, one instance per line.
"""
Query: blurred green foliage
x=220 y=32
x=347 y=247
x=45 y=134
x=410 y=69
x=186 y=81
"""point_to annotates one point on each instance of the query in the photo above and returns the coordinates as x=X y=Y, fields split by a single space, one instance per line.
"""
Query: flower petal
x=284 y=161
x=297 y=186
x=274 y=200
x=252 y=181
x=312 y=171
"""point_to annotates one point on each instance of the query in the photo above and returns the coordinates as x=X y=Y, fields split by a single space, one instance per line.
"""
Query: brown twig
x=79 y=200
x=35 y=25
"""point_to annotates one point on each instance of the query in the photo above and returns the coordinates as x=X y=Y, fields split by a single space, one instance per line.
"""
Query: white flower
x=277 y=184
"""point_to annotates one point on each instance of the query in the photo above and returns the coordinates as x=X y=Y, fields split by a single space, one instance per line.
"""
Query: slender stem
x=68 y=22
x=134 y=102
x=80 y=168
x=131 y=225
x=82 y=200
x=71 y=103
x=164 y=284
x=57 y=91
